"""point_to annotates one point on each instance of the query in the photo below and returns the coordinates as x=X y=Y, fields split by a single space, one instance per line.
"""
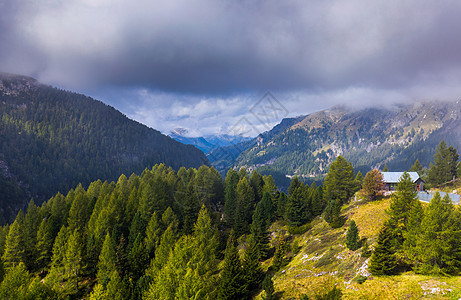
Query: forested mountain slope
x=368 y=138
x=51 y=140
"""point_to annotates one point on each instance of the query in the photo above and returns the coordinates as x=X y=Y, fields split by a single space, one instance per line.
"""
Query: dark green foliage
x=53 y=139
x=383 y=260
x=232 y=284
x=297 y=208
x=338 y=187
x=252 y=272
x=445 y=166
x=402 y=201
x=230 y=203
x=281 y=205
x=268 y=287
x=245 y=199
x=352 y=237
x=385 y=168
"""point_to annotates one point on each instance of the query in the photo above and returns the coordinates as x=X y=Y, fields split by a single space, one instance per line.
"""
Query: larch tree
x=372 y=184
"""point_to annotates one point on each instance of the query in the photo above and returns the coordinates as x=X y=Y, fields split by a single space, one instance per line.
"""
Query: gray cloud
x=190 y=52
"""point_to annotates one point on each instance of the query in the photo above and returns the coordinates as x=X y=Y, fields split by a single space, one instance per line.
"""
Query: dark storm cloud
x=201 y=54
x=219 y=47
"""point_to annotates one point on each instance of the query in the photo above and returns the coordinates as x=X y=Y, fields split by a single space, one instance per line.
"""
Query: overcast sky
x=203 y=65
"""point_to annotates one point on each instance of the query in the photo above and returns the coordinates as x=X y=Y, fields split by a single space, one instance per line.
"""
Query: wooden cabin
x=391 y=179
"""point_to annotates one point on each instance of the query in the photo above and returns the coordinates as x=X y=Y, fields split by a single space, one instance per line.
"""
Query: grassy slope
x=325 y=261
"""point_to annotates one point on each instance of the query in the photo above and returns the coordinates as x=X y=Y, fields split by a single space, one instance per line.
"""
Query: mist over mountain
x=51 y=140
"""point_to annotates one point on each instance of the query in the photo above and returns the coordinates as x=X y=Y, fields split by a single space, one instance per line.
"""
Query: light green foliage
x=14 y=245
x=107 y=260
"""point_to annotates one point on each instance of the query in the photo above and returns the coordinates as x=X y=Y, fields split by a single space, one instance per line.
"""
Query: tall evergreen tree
x=73 y=262
x=245 y=198
x=281 y=205
x=339 y=182
x=445 y=165
x=231 y=279
x=402 y=201
x=14 y=245
x=252 y=272
x=44 y=244
x=438 y=243
x=296 y=211
x=352 y=237
x=153 y=234
x=107 y=261
x=383 y=261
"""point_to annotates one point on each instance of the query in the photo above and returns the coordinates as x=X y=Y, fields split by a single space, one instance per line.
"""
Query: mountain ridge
x=51 y=140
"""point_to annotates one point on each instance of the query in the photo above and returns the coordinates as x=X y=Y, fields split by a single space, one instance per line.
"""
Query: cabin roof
x=393 y=177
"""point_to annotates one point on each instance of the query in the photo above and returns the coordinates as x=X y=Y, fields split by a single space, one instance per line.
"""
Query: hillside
x=324 y=261
x=51 y=140
x=368 y=138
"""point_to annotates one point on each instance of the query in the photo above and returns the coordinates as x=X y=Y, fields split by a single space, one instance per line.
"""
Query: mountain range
x=369 y=138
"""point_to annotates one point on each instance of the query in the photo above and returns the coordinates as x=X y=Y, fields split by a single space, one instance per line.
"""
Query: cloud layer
x=207 y=61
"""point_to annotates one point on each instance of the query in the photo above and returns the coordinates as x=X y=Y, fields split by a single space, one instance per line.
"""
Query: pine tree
x=438 y=242
x=73 y=262
x=231 y=278
x=252 y=272
x=339 y=182
x=383 y=260
x=153 y=234
x=44 y=244
x=296 y=211
x=358 y=181
x=55 y=277
x=281 y=205
x=30 y=227
x=402 y=201
x=445 y=165
x=15 y=283
x=14 y=245
x=138 y=257
x=107 y=260
x=352 y=237
x=259 y=231
x=245 y=197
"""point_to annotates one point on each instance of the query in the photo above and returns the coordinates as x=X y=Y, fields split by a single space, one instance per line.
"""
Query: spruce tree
x=73 y=262
x=383 y=261
x=259 y=228
x=14 y=245
x=281 y=205
x=107 y=261
x=252 y=272
x=153 y=234
x=445 y=165
x=339 y=182
x=44 y=244
x=245 y=198
x=231 y=284
x=296 y=211
x=402 y=201
x=352 y=237
x=438 y=242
